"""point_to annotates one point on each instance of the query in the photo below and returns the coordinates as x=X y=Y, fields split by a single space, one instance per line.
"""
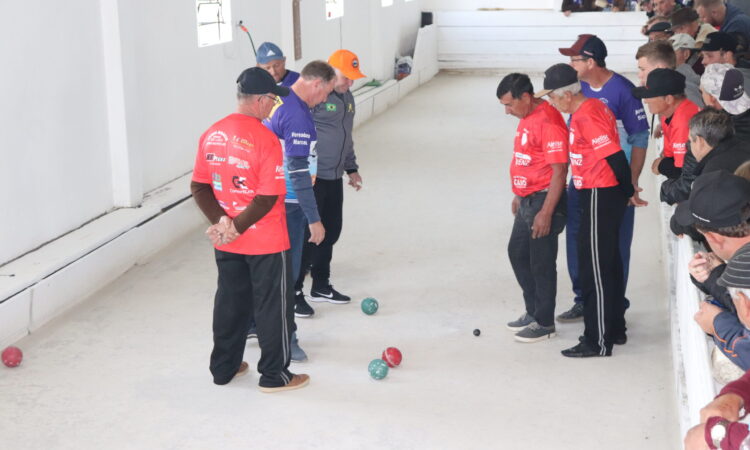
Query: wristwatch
x=719 y=432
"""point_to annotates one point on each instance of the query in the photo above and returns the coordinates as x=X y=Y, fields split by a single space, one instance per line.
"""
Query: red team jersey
x=593 y=137
x=676 y=131
x=241 y=158
x=541 y=140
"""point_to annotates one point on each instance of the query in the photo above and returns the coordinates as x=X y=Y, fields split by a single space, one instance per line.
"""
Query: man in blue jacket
x=724 y=16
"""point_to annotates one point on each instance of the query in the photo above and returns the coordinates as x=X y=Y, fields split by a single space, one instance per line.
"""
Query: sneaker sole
x=326 y=299
x=535 y=339
x=252 y=336
x=296 y=314
x=271 y=390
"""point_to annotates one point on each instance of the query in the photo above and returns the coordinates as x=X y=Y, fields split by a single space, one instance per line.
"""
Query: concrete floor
x=426 y=236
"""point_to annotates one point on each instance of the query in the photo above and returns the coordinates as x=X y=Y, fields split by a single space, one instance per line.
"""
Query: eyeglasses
x=578 y=59
x=272 y=97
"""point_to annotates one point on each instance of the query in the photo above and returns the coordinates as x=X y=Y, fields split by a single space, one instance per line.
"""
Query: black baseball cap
x=557 y=76
x=659 y=26
x=718 y=41
x=716 y=200
x=661 y=82
x=258 y=81
x=587 y=45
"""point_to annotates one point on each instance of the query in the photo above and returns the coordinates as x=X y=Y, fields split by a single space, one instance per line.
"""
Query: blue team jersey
x=289 y=78
x=292 y=122
x=628 y=110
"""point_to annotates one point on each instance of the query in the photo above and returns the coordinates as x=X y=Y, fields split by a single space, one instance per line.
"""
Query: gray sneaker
x=535 y=333
x=521 y=323
x=574 y=314
x=298 y=355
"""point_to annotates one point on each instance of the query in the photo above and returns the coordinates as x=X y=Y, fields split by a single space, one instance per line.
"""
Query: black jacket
x=728 y=155
x=742 y=126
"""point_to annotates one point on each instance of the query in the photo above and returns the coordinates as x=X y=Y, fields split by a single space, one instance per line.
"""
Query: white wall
x=470 y=5
x=55 y=173
x=77 y=81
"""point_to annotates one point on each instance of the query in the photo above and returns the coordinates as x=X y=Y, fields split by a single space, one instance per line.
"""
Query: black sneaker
x=522 y=322
x=301 y=307
x=328 y=294
x=584 y=350
x=574 y=314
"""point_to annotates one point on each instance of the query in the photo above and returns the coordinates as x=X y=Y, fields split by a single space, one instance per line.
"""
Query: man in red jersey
x=602 y=176
x=538 y=169
x=238 y=183
x=664 y=94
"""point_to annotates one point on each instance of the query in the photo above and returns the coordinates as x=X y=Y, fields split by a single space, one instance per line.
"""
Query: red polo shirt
x=541 y=140
x=676 y=131
x=593 y=137
x=241 y=158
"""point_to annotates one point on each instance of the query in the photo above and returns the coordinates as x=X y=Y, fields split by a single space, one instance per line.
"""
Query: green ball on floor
x=378 y=369
x=369 y=306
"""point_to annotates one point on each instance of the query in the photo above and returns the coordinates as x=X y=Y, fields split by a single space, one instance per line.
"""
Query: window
x=385 y=3
x=214 y=22
x=334 y=9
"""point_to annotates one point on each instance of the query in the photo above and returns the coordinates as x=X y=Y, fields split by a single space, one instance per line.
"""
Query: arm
x=203 y=194
x=621 y=169
x=676 y=190
x=638 y=142
x=666 y=166
x=256 y=210
x=299 y=174
x=732 y=339
x=543 y=219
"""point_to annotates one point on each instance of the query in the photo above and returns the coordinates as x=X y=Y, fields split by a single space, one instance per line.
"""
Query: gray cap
x=721 y=79
x=682 y=41
x=737 y=272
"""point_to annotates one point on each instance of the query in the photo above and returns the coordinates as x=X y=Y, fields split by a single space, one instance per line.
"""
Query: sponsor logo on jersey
x=239 y=182
x=216 y=138
x=522 y=159
x=601 y=141
x=240 y=163
x=216 y=178
x=576 y=159
x=554 y=146
x=577 y=181
x=519 y=181
x=214 y=160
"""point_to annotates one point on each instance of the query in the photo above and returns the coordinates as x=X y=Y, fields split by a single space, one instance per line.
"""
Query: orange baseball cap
x=347 y=62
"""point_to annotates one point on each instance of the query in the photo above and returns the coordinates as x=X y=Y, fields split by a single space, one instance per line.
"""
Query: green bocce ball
x=378 y=369
x=369 y=306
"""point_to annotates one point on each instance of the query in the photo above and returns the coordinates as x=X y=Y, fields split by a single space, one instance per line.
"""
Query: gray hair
x=712 y=125
x=574 y=89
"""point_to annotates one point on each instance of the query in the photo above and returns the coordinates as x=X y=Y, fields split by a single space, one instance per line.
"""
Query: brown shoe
x=298 y=381
x=242 y=370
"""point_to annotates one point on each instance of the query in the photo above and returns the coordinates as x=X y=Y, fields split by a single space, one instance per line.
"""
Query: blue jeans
x=571 y=238
x=295 y=224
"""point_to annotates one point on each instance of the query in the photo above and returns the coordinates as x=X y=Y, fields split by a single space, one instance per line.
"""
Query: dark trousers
x=329 y=194
x=253 y=287
x=534 y=261
x=600 y=265
x=571 y=240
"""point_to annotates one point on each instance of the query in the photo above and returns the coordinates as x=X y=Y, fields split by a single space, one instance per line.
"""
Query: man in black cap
x=601 y=174
x=238 y=183
x=719 y=48
x=660 y=31
x=719 y=208
x=587 y=57
x=664 y=94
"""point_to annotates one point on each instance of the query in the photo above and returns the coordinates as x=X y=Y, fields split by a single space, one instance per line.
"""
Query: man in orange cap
x=334 y=121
